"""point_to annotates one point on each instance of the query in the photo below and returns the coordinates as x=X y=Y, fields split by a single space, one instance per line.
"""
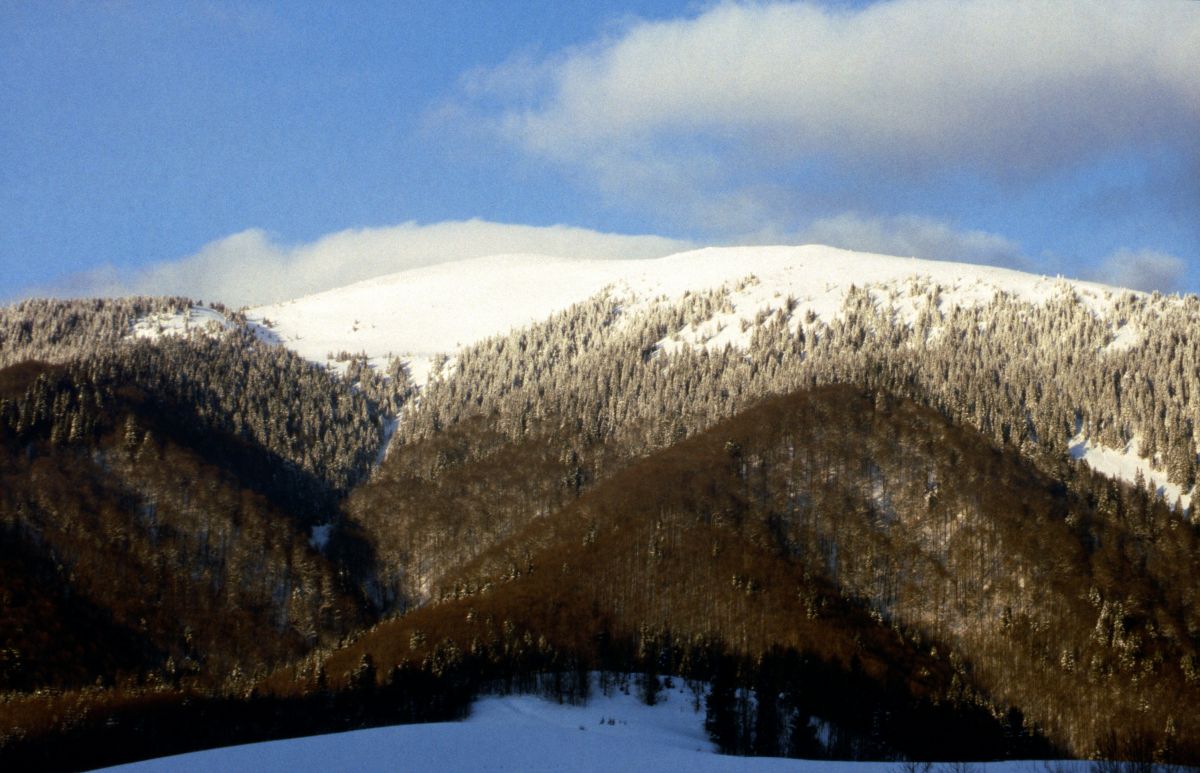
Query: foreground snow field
x=527 y=734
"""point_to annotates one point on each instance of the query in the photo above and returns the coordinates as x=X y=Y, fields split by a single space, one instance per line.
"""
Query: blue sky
x=246 y=151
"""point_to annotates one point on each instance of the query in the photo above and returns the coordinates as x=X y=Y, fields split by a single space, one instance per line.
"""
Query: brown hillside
x=856 y=526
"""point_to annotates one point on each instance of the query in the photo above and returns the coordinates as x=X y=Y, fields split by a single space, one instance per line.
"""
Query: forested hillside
x=58 y=331
x=869 y=489
x=184 y=537
x=810 y=521
x=595 y=388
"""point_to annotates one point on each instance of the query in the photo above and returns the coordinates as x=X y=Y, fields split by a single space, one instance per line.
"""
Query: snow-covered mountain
x=693 y=461
x=419 y=314
x=438 y=309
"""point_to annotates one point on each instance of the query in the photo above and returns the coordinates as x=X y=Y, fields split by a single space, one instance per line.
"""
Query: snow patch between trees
x=1125 y=464
x=194 y=319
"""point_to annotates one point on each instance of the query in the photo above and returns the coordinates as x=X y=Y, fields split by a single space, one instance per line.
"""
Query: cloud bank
x=796 y=122
x=687 y=113
x=1147 y=270
x=249 y=268
x=918 y=237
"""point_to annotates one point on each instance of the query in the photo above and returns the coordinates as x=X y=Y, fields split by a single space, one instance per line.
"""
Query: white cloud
x=1147 y=270
x=909 y=87
x=249 y=268
x=919 y=237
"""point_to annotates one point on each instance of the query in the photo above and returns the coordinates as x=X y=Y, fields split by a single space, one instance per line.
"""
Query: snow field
x=529 y=734
x=439 y=309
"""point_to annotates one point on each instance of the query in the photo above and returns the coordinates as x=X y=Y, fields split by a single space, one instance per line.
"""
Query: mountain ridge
x=454 y=295
x=841 y=454
x=379 y=318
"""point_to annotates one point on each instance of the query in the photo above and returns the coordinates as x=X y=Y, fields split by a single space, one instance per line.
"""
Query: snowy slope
x=438 y=309
x=526 y=734
x=435 y=309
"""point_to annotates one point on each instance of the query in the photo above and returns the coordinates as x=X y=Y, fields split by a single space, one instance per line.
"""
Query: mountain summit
x=423 y=312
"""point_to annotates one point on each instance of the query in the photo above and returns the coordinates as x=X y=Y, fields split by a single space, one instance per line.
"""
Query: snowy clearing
x=194 y=319
x=1125 y=464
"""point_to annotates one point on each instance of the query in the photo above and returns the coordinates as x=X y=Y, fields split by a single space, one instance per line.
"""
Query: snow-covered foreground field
x=526 y=734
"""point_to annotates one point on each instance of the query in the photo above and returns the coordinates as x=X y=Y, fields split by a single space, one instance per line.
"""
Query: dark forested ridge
x=873 y=518
x=59 y=331
x=181 y=539
x=856 y=527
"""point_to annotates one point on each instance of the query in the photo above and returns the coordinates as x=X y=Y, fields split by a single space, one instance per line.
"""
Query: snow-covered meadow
x=529 y=734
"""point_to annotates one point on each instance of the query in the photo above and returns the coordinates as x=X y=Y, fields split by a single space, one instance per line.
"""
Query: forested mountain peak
x=1049 y=364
